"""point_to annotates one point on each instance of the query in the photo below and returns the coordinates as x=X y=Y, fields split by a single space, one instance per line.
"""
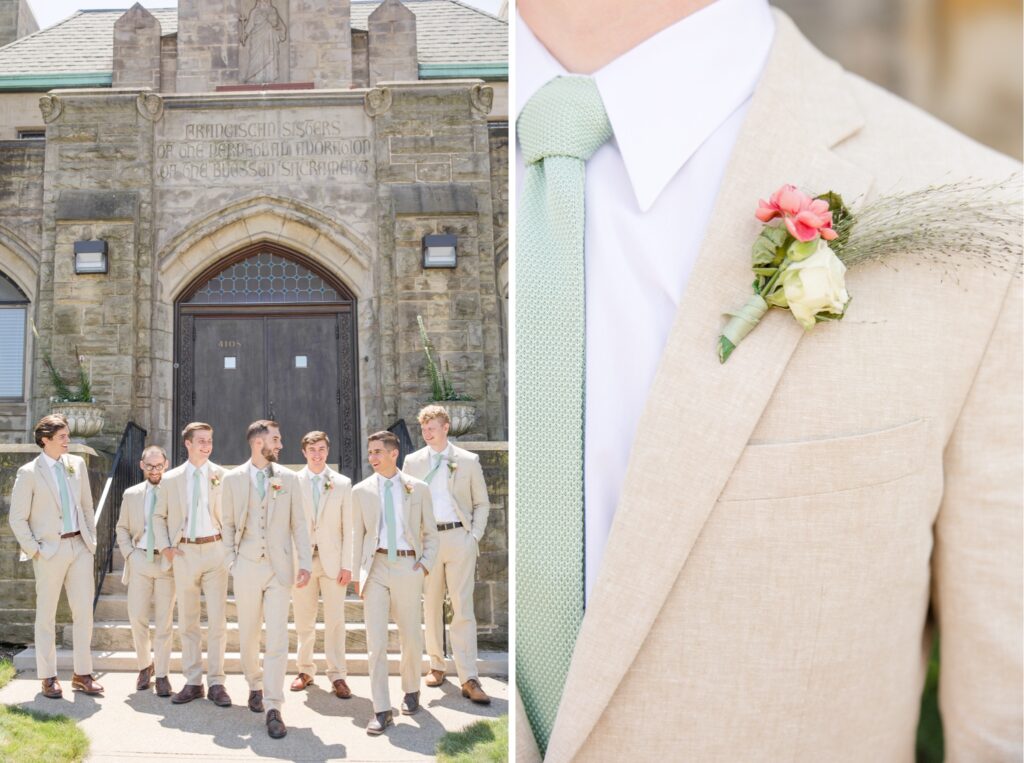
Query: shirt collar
x=396 y=480
x=50 y=462
x=190 y=469
x=670 y=93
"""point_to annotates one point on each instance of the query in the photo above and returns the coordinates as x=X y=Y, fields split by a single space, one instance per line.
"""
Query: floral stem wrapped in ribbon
x=800 y=258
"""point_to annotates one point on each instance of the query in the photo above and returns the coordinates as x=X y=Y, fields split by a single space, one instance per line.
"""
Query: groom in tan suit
x=263 y=522
x=51 y=516
x=459 y=499
x=796 y=526
x=327 y=507
x=394 y=545
x=187 y=525
x=150 y=586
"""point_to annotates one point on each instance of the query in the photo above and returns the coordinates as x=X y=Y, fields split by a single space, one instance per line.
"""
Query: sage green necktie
x=193 y=517
x=433 y=472
x=560 y=127
x=389 y=520
x=149 y=523
x=261 y=484
x=65 y=496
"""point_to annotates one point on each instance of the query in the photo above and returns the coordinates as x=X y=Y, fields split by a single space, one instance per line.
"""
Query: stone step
x=114 y=607
x=488 y=664
x=117 y=636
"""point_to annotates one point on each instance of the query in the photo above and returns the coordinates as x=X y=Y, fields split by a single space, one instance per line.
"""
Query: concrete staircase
x=113 y=649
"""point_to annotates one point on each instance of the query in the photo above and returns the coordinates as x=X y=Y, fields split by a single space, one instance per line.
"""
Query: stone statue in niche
x=261 y=34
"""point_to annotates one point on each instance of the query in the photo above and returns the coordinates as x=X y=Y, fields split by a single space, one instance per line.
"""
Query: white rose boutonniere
x=816 y=286
x=69 y=468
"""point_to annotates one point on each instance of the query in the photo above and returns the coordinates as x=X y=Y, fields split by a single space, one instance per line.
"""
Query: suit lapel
x=700 y=411
x=406 y=499
x=46 y=474
x=269 y=497
x=374 y=525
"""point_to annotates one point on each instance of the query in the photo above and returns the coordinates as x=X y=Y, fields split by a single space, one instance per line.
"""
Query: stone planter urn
x=461 y=412
x=84 y=419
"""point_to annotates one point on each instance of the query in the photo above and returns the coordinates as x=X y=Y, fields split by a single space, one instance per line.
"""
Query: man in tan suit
x=149 y=584
x=394 y=545
x=793 y=527
x=327 y=507
x=263 y=521
x=458 y=495
x=187 y=525
x=51 y=516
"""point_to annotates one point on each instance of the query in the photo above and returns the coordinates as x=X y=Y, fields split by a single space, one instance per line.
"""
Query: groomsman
x=327 y=508
x=263 y=520
x=51 y=517
x=149 y=583
x=187 y=528
x=394 y=544
x=459 y=497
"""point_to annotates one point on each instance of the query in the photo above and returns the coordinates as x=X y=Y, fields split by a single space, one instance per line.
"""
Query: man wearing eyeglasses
x=148 y=582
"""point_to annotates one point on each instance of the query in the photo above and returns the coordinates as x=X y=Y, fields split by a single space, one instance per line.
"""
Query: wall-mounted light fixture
x=90 y=256
x=439 y=251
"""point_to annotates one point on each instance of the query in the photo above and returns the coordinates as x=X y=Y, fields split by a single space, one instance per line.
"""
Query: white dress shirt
x=676 y=104
x=204 y=522
x=398 y=499
x=444 y=505
x=54 y=466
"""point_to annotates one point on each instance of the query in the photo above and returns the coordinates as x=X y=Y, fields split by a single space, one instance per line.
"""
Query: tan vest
x=254 y=535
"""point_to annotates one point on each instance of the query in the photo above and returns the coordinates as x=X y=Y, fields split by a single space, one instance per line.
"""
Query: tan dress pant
x=261 y=598
x=70 y=568
x=304 y=602
x=150 y=589
x=456 y=568
x=201 y=570
x=395 y=589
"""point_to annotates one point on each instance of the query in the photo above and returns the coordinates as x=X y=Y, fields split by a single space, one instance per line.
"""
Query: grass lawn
x=27 y=736
x=482 y=742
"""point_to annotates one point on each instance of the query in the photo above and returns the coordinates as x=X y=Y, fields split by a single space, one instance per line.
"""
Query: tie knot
x=563 y=118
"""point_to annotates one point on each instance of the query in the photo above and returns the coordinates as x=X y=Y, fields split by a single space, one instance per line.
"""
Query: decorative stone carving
x=150 y=106
x=261 y=33
x=52 y=107
x=481 y=97
x=377 y=101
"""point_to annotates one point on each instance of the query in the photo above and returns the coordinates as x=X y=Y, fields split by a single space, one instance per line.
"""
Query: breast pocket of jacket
x=822 y=467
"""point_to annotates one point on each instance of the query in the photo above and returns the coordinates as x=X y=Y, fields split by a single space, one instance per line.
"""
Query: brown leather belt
x=399 y=551
x=204 y=539
x=448 y=526
x=70 y=535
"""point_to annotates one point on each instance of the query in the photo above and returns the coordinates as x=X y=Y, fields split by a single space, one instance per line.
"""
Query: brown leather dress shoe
x=219 y=696
x=472 y=690
x=51 y=688
x=256 y=701
x=188 y=693
x=341 y=690
x=302 y=680
x=85 y=684
x=379 y=722
x=163 y=687
x=275 y=726
x=436 y=678
x=142 y=683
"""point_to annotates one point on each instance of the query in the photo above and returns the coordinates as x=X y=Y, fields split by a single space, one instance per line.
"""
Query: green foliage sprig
x=441 y=387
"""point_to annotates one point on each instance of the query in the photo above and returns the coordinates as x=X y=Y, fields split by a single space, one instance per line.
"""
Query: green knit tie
x=560 y=127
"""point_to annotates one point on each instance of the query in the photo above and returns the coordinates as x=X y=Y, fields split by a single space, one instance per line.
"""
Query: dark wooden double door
x=298 y=370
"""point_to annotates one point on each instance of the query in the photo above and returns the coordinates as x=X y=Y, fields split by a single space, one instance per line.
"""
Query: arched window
x=13 y=318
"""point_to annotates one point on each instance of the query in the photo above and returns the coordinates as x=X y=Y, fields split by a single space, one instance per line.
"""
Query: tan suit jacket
x=131 y=526
x=286 y=523
x=332 y=526
x=793 y=522
x=172 y=506
x=418 y=516
x=465 y=484
x=35 y=516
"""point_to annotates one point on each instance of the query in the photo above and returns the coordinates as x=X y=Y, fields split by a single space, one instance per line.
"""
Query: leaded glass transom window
x=264 y=278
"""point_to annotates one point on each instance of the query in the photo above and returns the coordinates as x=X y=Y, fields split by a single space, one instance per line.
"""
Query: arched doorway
x=268 y=333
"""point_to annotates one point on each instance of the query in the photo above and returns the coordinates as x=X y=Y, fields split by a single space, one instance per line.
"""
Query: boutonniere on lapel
x=215 y=481
x=69 y=468
x=275 y=486
x=328 y=485
x=408 y=487
x=452 y=466
x=801 y=257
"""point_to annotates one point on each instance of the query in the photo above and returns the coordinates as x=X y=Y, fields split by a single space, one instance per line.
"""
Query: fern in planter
x=64 y=393
x=441 y=385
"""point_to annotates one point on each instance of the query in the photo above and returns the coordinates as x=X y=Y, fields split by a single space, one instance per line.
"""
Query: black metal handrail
x=123 y=474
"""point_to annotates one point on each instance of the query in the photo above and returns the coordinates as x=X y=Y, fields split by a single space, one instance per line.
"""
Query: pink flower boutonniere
x=276 y=486
x=801 y=265
x=408 y=487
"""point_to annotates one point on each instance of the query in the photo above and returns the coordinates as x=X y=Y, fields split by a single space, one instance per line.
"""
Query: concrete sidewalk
x=126 y=725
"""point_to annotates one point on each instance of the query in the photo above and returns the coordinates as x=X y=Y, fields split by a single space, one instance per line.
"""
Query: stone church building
x=229 y=210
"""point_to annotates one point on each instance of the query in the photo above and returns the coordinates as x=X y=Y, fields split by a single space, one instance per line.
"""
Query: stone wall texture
x=16 y=20
x=136 y=59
